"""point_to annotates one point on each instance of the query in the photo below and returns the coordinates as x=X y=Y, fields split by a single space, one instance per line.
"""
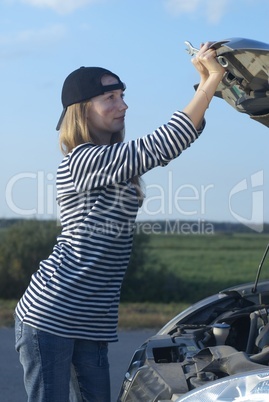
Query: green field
x=211 y=262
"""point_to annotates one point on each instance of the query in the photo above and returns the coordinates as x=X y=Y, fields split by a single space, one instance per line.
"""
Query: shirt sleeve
x=93 y=166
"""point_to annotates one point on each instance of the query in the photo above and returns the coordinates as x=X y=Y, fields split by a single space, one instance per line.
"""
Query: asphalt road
x=11 y=375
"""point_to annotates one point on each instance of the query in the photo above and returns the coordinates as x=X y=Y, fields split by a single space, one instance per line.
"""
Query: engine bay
x=226 y=338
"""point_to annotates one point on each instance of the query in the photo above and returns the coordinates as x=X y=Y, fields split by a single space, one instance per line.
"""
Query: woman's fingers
x=206 y=57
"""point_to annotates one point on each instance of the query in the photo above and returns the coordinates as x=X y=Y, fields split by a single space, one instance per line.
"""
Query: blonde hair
x=74 y=131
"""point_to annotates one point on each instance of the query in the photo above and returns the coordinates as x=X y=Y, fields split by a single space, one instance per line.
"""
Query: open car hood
x=245 y=84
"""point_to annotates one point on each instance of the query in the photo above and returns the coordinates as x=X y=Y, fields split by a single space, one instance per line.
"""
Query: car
x=245 y=84
x=215 y=350
x=218 y=348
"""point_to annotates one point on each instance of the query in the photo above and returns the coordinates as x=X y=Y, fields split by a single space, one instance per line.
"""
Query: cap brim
x=61 y=119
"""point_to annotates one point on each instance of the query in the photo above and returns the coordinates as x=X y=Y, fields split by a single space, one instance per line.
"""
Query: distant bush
x=23 y=245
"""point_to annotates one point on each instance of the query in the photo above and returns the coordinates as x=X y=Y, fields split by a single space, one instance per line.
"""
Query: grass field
x=220 y=257
x=204 y=263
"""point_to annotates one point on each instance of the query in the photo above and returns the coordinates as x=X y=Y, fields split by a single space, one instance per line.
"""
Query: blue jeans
x=58 y=369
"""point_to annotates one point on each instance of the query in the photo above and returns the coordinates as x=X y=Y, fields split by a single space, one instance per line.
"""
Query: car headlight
x=247 y=387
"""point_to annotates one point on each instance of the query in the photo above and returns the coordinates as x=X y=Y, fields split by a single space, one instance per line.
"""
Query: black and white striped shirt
x=76 y=290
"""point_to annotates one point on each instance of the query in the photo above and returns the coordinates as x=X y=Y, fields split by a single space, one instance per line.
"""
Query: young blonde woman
x=69 y=312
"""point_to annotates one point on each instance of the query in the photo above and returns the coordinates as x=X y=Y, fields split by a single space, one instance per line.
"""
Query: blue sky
x=224 y=176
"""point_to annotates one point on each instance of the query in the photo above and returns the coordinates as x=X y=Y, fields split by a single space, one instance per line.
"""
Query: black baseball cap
x=83 y=84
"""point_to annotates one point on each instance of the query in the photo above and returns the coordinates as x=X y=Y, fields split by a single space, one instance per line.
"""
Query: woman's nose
x=123 y=105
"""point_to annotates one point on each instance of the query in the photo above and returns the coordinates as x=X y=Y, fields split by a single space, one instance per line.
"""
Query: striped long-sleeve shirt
x=76 y=290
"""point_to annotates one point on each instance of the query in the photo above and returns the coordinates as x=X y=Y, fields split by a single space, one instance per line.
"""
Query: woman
x=69 y=312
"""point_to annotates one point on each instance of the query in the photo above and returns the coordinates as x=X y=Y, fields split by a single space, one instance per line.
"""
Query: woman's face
x=106 y=113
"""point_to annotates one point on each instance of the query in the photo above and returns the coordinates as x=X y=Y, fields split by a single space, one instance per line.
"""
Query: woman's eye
x=114 y=96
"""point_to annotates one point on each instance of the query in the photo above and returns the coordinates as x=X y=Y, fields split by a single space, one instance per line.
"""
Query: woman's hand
x=211 y=73
x=206 y=63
